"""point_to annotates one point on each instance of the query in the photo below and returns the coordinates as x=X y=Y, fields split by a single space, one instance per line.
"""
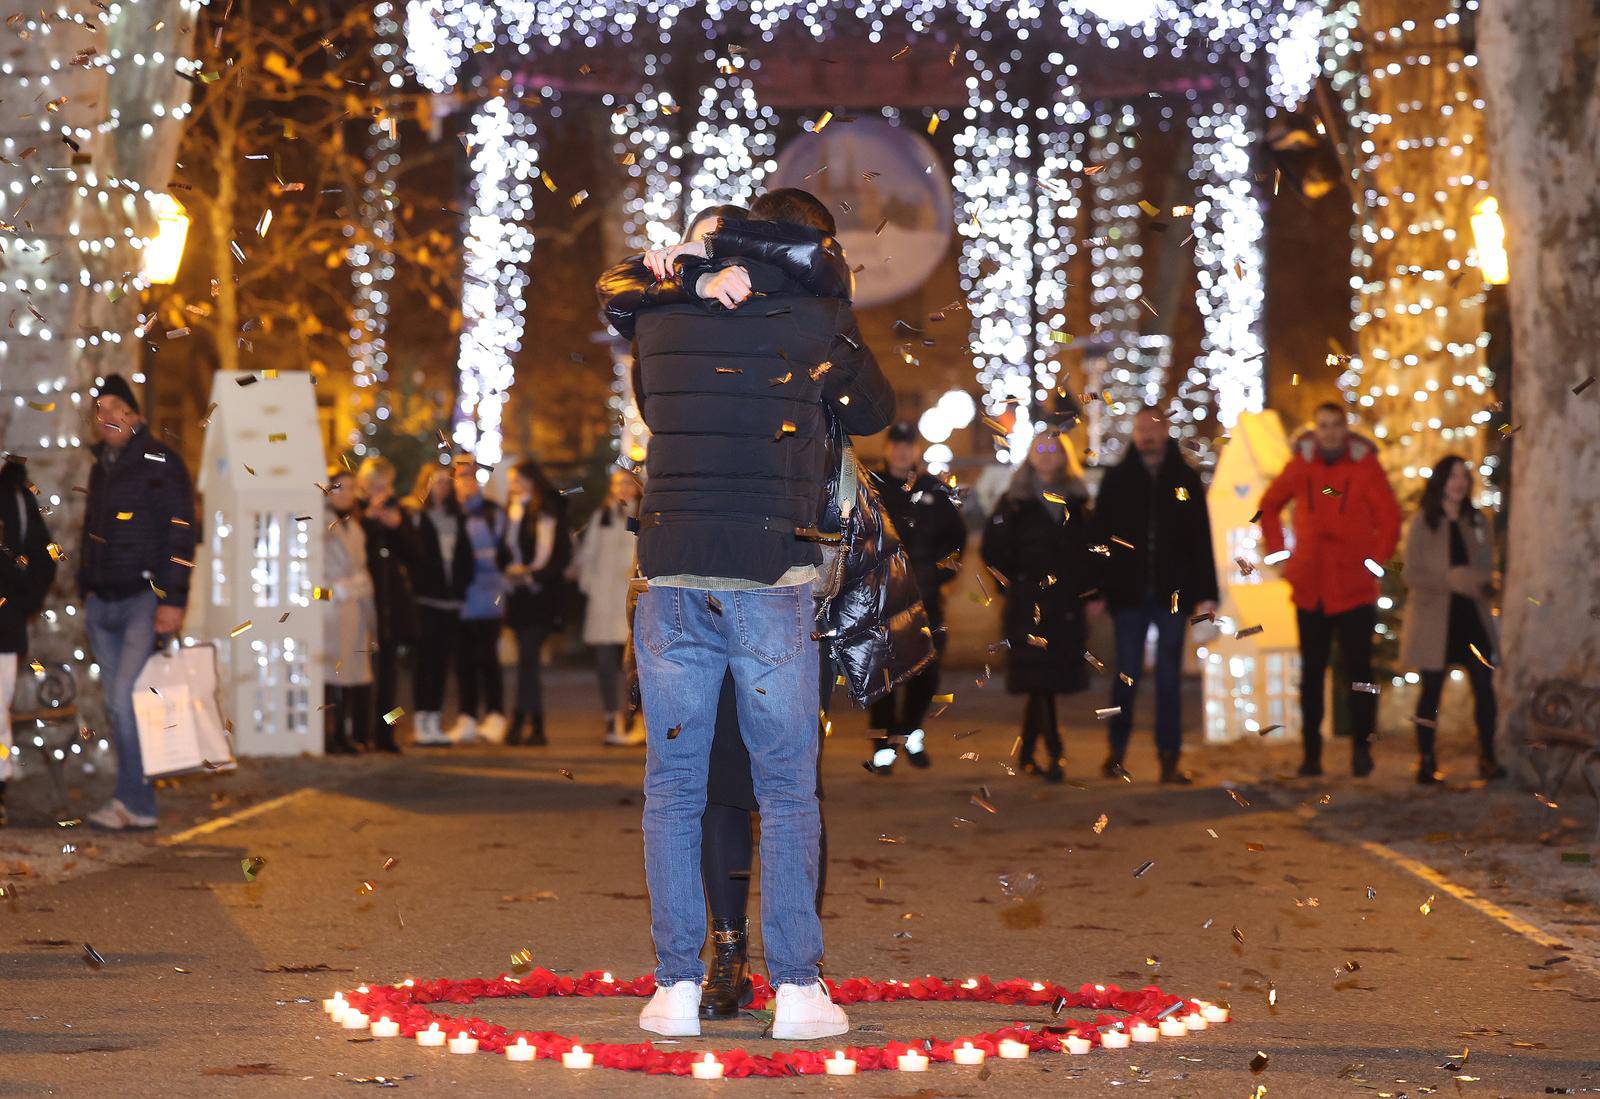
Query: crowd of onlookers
x=425 y=587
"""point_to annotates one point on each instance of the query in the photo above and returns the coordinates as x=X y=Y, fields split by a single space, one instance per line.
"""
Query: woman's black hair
x=1433 y=494
x=548 y=498
x=721 y=210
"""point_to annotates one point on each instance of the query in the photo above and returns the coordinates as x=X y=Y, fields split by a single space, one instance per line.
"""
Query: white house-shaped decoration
x=1251 y=683
x=261 y=554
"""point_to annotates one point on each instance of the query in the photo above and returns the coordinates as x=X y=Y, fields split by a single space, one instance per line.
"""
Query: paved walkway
x=1321 y=947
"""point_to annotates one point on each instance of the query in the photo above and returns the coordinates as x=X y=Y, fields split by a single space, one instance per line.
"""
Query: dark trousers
x=530 y=677
x=1485 y=710
x=478 y=671
x=385 y=691
x=1039 y=720
x=1354 y=630
x=348 y=718
x=608 y=669
x=434 y=650
x=1132 y=626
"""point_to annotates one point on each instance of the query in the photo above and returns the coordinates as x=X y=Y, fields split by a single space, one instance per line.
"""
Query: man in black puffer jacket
x=1151 y=516
x=133 y=571
x=733 y=389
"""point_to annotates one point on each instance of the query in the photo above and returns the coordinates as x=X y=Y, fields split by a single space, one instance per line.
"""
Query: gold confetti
x=1427 y=906
x=124 y=516
x=366 y=889
x=38 y=407
x=1181 y=493
x=241 y=628
x=393 y=715
x=827 y=117
x=278 y=437
x=388 y=863
x=933 y=124
x=521 y=959
x=252 y=866
x=1100 y=823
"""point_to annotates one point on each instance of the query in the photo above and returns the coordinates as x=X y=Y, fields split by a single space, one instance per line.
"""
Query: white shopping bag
x=175 y=704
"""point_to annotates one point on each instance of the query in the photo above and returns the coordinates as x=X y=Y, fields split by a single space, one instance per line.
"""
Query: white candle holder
x=912 y=1062
x=968 y=1054
x=1174 y=1027
x=1076 y=1046
x=1013 y=1050
x=1195 y=1021
x=353 y=1020
x=520 y=1050
x=463 y=1044
x=839 y=1065
x=1115 y=1039
x=385 y=1028
x=578 y=1057
x=431 y=1038
x=709 y=1069
x=1144 y=1032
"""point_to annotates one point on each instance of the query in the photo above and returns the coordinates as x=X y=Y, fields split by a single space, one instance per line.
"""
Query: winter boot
x=728 y=986
x=1361 y=758
x=1427 y=770
x=1170 y=773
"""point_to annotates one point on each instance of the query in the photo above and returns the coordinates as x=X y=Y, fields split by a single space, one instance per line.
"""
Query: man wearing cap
x=133 y=571
x=930 y=527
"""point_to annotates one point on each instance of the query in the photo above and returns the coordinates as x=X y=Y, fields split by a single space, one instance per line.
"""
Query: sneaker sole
x=670 y=1028
x=805 y=1032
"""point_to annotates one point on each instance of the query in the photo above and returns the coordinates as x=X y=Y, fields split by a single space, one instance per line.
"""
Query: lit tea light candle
x=968 y=1054
x=1037 y=987
x=608 y=978
x=1195 y=1021
x=1174 y=1027
x=1077 y=1046
x=1213 y=1013
x=577 y=1057
x=463 y=1043
x=520 y=1050
x=1013 y=1050
x=353 y=1020
x=1144 y=1032
x=385 y=1028
x=912 y=1061
x=709 y=1069
x=970 y=982
x=1115 y=1039
x=433 y=1036
x=839 y=1064
x=335 y=1004
x=407 y=983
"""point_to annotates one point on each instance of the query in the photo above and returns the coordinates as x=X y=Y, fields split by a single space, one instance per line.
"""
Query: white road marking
x=233 y=818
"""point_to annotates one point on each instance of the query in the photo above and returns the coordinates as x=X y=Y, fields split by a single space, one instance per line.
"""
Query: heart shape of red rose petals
x=404 y=1005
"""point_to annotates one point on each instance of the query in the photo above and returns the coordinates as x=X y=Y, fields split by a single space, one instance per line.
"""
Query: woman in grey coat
x=1449 y=568
x=350 y=621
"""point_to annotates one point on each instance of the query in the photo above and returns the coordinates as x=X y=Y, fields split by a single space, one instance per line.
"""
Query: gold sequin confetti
x=124 y=516
x=827 y=117
x=1100 y=823
x=933 y=124
x=242 y=627
x=1427 y=906
x=393 y=715
x=389 y=863
x=1181 y=493
x=252 y=866
x=1107 y=711
x=366 y=889
x=521 y=959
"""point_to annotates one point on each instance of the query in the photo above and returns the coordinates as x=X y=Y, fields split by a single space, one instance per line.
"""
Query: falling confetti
x=252 y=866
x=92 y=957
x=1144 y=868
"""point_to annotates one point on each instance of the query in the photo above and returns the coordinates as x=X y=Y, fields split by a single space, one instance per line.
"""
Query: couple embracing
x=746 y=346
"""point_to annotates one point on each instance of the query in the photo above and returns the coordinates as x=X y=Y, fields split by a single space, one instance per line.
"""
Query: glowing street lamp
x=164 y=252
x=1489 y=237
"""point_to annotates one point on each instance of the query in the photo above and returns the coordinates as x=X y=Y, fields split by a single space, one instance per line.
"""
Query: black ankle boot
x=1427 y=770
x=727 y=986
x=535 y=737
x=1311 y=761
x=1361 y=759
x=1170 y=773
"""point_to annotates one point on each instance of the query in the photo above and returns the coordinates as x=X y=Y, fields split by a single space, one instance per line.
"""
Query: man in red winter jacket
x=1346 y=524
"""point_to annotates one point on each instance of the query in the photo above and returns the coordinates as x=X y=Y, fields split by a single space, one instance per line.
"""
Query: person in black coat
x=540 y=543
x=27 y=569
x=1037 y=544
x=1152 y=521
x=433 y=519
x=133 y=570
x=390 y=553
x=930 y=527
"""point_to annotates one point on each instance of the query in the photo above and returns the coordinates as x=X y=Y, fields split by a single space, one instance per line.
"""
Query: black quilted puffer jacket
x=870 y=614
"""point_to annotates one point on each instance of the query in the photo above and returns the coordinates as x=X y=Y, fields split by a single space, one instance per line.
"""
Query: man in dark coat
x=1151 y=518
x=733 y=388
x=27 y=569
x=930 y=527
x=133 y=571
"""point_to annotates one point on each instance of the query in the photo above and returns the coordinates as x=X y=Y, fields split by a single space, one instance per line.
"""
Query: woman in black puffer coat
x=1037 y=542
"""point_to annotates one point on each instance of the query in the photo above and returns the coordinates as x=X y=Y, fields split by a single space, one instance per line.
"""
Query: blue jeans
x=122 y=635
x=1132 y=626
x=683 y=648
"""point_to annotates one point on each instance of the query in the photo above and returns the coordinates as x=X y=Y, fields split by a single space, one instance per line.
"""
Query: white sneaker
x=494 y=728
x=464 y=731
x=673 y=1011
x=624 y=735
x=807 y=1011
x=114 y=816
x=428 y=731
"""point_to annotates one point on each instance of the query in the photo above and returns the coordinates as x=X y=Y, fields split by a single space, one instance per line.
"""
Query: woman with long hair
x=352 y=621
x=1036 y=543
x=540 y=546
x=1449 y=620
x=434 y=520
x=602 y=566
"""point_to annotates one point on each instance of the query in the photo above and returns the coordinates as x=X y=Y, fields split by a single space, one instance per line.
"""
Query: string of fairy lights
x=372 y=259
x=82 y=180
x=733 y=139
x=1406 y=80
